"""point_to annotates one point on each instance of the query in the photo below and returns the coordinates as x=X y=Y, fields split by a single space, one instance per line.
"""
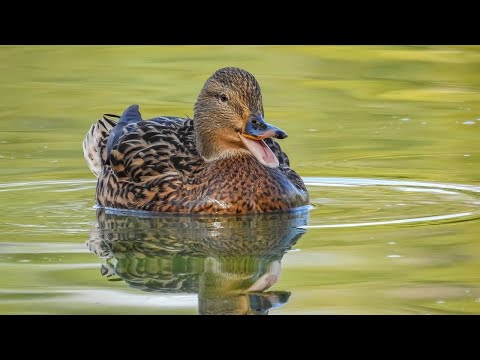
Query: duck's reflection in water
x=230 y=261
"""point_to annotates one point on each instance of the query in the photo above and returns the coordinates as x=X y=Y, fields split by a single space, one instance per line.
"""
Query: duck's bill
x=255 y=130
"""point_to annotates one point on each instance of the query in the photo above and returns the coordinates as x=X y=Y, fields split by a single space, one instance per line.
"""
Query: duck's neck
x=228 y=154
x=215 y=144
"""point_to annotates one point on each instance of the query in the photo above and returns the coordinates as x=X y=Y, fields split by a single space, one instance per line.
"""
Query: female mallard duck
x=222 y=161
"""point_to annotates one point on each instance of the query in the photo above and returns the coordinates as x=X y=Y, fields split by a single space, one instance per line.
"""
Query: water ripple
x=338 y=202
x=400 y=221
x=359 y=202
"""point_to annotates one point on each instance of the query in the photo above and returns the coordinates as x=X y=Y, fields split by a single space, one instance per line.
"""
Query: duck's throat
x=261 y=151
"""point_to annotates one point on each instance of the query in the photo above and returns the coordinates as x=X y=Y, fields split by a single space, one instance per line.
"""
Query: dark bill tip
x=256 y=128
x=280 y=134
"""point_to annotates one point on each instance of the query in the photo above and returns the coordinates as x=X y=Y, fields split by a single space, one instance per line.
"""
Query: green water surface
x=386 y=137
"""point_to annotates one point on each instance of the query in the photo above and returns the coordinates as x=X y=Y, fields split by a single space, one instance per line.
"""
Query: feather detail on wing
x=163 y=146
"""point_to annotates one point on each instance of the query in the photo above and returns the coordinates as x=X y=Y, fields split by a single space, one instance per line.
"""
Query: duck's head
x=229 y=119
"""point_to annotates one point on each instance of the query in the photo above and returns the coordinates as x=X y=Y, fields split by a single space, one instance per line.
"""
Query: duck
x=224 y=160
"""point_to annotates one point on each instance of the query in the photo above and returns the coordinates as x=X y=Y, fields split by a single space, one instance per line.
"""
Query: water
x=386 y=139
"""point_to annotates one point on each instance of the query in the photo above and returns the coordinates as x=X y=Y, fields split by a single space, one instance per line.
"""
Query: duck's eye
x=223 y=98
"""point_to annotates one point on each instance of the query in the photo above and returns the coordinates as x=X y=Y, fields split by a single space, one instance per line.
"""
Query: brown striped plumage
x=200 y=165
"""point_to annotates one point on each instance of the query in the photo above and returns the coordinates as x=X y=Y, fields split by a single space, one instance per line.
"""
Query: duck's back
x=156 y=147
x=148 y=164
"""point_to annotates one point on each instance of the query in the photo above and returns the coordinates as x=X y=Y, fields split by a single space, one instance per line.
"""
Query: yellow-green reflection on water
x=353 y=113
x=230 y=261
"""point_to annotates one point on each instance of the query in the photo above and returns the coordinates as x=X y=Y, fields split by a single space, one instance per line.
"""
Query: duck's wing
x=160 y=146
x=102 y=135
x=284 y=164
x=130 y=116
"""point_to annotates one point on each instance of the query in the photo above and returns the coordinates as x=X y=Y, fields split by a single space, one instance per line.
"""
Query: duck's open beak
x=254 y=131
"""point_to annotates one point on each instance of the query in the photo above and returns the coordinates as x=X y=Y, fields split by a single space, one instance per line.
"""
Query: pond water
x=385 y=137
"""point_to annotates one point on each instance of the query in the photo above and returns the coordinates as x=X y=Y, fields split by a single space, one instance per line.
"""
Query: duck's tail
x=94 y=145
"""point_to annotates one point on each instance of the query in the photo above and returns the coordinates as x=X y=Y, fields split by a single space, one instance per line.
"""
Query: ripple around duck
x=339 y=202
x=358 y=202
x=49 y=185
